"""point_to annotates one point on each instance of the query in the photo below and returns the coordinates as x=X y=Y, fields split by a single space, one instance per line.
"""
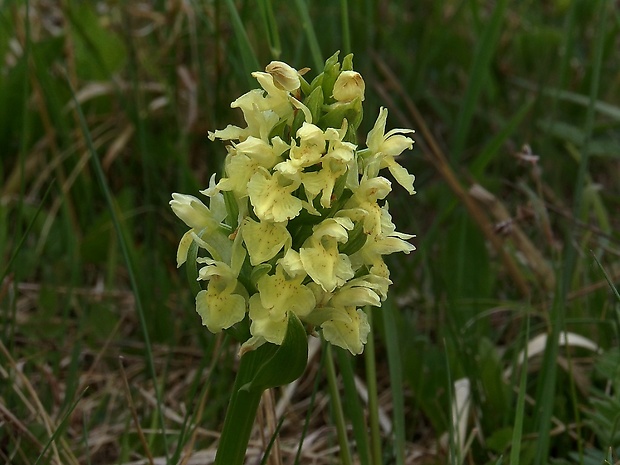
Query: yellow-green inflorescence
x=299 y=222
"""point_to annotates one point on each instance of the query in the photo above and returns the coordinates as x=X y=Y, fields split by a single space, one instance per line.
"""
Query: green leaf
x=492 y=149
x=478 y=78
x=351 y=111
x=248 y=57
x=314 y=102
x=287 y=363
x=330 y=74
x=99 y=52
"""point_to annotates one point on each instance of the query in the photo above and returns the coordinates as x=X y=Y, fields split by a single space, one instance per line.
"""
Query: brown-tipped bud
x=349 y=86
x=284 y=76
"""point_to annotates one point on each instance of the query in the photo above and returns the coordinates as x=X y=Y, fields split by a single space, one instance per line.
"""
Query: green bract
x=298 y=224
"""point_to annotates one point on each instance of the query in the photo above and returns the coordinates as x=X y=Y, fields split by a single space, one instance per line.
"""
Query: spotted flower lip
x=264 y=240
x=272 y=196
x=298 y=224
x=220 y=306
x=277 y=295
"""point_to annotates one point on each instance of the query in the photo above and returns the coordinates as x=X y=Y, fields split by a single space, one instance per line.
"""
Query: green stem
x=240 y=414
x=334 y=395
x=371 y=383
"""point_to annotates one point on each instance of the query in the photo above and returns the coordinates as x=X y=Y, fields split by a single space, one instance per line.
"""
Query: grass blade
x=517 y=431
x=396 y=380
x=25 y=235
x=371 y=382
x=353 y=407
x=546 y=389
x=271 y=26
x=346 y=30
x=60 y=426
x=336 y=402
x=492 y=149
x=248 y=57
x=306 y=22
x=126 y=255
x=477 y=78
x=616 y=293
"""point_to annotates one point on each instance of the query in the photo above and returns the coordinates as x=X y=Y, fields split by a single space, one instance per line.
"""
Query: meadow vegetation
x=500 y=340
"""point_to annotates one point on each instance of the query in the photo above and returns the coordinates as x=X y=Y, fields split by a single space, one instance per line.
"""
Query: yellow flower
x=221 y=305
x=348 y=330
x=384 y=242
x=322 y=263
x=259 y=122
x=271 y=196
x=385 y=147
x=277 y=99
x=320 y=256
x=333 y=165
x=199 y=218
x=277 y=295
x=363 y=206
x=292 y=265
x=264 y=239
x=244 y=159
x=309 y=151
x=337 y=314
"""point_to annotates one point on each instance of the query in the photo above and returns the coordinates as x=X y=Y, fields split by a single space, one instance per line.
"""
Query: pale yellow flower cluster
x=299 y=222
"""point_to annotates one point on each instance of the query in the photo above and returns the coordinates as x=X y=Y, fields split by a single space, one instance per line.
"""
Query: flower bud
x=349 y=86
x=285 y=77
x=192 y=211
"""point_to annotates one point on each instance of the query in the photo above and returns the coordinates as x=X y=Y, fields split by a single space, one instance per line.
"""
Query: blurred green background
x=520 y=100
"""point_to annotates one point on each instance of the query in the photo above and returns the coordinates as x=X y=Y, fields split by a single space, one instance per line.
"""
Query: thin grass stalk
x=439 y=160
x=396 y=381
x=134 y=413
x=85 y=437
x=493 y=148
x=453 y=452
x=126 y=255
x=248 y=57
x=478 y=76
x=35 y=406
x=23 y=237
x=271 y=443
x=196 y=412
x=616 y=293
x=353 y=406
x=315 y=389
x=371 y=384
x=370 y=24
x=575 y=404
x=565 y=52
x=313 y=43
x=547 y=384
x=345 y=28
x=517 y=430
x=336 y=402
x=271 y=26
x=60 y=426
x=24 y=140
x=135 y=106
